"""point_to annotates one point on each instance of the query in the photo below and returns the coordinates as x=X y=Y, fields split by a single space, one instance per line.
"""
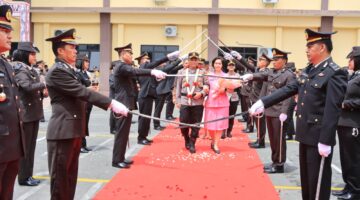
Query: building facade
x=161 y=26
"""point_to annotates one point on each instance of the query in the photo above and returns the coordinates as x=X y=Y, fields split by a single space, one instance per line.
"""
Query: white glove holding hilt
x=228 y=56
x=257 y=108
x=173 y=55
x=247 y=77
x=236 y=54
x=283 y=117
x=119 y=108
x=324 y=150
x=158 y=74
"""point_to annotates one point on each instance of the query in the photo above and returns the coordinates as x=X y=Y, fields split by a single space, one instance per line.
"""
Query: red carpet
x=166 y=170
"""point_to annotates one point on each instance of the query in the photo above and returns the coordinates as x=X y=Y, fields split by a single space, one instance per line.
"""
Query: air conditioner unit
x=264 y=50
x=170 y=31
x=270 y=1
x=157 y=2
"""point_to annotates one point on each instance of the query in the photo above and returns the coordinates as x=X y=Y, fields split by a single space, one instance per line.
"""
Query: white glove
x=184 y=57
x=173 y=55
x=228 y=56
x=324 y=150
x=257 y=108
x=247 y=77
x=236 y=54
x=158 y=74
x=119 y=108
x=283 y=117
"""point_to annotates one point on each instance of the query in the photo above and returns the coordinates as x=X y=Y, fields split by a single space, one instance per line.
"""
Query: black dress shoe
x=192 y=148
x=151 y=141
x=267 y=166
x=133 y=122
x=29 y=182
x=217 y=151
x=257 y=146
x=128 y=162
x=83 y=150
x=248 y=130
x=274 y=169
x=42 y=120
x=170 y=118
x=144 y=142
x=229 y=135
x=36 y=180
x=87 y=149
x=159 y=128
x=349 y=196
x=241 y=120
x=121 y=165
x=341 y=192
x=187 y=145
x=223 y=136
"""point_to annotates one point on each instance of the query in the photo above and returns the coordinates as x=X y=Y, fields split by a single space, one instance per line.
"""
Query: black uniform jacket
x=124 y=84
x=350 y=113
x=165 y=86
x=68 y=100
x=320 y=92
x=275 y=79
x=11 y=131
x=30 y=90
x=148 y=84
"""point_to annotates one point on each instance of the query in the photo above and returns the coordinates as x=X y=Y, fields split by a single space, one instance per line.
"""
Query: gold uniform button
x=305 y=91
x=316 y=120
x=316 y=85
x=75 y=116
x=302 y=104
x=16 y=97
x=19 y=110
x=13 y=85
x=299 y=116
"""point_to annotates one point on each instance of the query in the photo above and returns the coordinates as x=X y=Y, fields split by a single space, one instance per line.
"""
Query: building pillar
x=278 y=37
x=327 y=23
x=213 y=33
x=105 y=49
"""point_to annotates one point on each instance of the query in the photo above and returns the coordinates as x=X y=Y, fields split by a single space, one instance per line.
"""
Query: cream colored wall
x=67 y=3
x=282 y=4
x=87 y=33
x=167 y=3
x=153 y=35
x=344 y=5
x=293 y=40
x=16 y=30
x=159 y=19
x=343 y=41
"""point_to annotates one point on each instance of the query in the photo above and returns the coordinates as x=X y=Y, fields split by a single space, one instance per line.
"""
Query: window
x=158 y=51
x=93 y=52
x=244 y=51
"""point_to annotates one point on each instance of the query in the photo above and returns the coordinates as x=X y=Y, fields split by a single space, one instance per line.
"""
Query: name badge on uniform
x=2 y=74
x=321 y=74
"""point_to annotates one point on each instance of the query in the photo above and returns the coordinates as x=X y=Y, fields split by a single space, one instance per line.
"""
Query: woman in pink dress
x=217 y=104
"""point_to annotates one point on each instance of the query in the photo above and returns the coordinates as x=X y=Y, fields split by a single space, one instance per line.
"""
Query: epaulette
x=61 y=65
x=334 y=66
x=357 y=72
x=16 y=65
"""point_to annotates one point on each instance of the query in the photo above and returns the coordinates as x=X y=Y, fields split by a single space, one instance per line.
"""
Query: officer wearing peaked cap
x=275 y=115
x=31 y=92
x=321 y=89
x=11 y=131
x=261 y=67
x=348 y=131
x=124 y=73
x=147 y=95
x=67 y=124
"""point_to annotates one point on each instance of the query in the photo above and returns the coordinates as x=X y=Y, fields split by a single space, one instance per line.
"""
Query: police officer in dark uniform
x=67 y=124
x=112 y=95
x=12 y=141
x=321 y=89
x=30 y=90
x=124 y=92
x=164 y=87
x=348 y=131
x=147 y=95
x=82 y=65
x=245 y=91
x=275 y=115
x=262 y=64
